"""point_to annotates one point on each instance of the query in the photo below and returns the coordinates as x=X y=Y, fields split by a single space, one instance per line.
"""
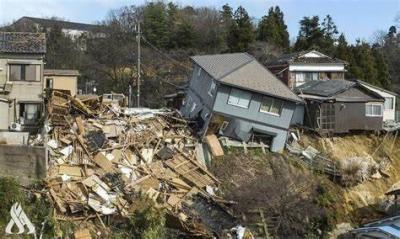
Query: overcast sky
x=356 y=18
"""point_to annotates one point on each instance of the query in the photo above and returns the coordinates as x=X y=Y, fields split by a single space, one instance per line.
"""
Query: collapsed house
x=236 y=96
x=103 y=158
x=340 y=106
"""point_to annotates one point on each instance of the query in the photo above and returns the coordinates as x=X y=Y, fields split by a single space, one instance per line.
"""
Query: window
x=389 y=103
x=199 y=72
x=373 y=110
x=271 y=105
x=23 y=73
x=223 y=126
x=239 y=98
x=212 y=88
x=49 y=83
x=193 y=107
x=326 y=120
x=303 y=77
x=29 y=113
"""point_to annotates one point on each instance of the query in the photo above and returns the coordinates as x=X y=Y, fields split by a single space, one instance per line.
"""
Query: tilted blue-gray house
x=234 y=95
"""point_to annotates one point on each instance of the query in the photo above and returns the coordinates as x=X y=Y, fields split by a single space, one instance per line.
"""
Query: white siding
x=317 y=67
x=388 y=114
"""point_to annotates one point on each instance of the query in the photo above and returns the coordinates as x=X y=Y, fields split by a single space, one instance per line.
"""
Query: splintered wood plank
x=215 y=146
x=189 y=171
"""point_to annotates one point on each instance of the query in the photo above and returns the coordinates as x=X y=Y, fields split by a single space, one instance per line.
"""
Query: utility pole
x=138 y=64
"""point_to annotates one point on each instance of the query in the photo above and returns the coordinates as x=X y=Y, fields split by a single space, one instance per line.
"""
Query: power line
x=159 y=77
x=166 y=55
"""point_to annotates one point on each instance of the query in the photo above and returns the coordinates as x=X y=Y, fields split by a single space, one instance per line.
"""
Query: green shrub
x=147 y=221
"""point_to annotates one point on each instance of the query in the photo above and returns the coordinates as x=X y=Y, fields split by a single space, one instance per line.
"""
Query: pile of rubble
x=102 y=157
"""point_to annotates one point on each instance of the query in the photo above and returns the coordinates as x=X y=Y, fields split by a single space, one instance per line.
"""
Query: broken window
x=23 y=72
x=389 y=103
x=239 y=98
x=271 y=105
x=372 y=109
x=29 y=113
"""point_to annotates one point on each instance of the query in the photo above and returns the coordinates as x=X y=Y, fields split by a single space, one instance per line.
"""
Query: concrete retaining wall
x=25 y=163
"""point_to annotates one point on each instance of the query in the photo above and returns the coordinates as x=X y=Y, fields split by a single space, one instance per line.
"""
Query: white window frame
x=301 y=77
x=273 y=101
x=212 y=88
x=193 y=107
x=223 y=127
x=392 y=104
x=199 y=71
x=235 y=93
x=373 y=104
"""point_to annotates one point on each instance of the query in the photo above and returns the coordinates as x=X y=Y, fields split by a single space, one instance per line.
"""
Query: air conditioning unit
x=15 y=127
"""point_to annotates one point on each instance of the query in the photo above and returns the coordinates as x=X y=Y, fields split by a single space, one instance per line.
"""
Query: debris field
x=103 y=157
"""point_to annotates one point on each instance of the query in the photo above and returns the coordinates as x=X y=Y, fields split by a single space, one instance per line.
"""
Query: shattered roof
x=244 y=71
x=22 y=42
x=324 y=88
x=59 y=72
x=64 y=24
x=298 y=57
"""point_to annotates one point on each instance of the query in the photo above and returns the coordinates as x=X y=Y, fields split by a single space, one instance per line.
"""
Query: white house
x=389 y=111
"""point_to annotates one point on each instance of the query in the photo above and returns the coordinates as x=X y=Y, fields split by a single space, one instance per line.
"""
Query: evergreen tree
x=241 y=32
x=392 y=31
x=227 y=14
x=155 y=24
x=184 y=36
x=383 y=76
x=311 y=35
x=181 y=30
x=330 y=35
x=362 y=64
x=272 y=29
x=342 y=49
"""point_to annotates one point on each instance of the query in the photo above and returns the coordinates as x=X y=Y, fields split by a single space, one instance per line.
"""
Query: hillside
x=300 y=202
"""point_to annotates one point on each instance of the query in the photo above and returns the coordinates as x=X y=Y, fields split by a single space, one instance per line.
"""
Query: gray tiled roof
x=59 y=72
x=22 y=42
x=222 y=64
x=244 y=71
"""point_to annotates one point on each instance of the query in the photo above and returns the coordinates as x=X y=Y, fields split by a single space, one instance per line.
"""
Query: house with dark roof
x=297 y=68
x=72 y=29
x=341 y=106
x=236 y=96
x=21 y=79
